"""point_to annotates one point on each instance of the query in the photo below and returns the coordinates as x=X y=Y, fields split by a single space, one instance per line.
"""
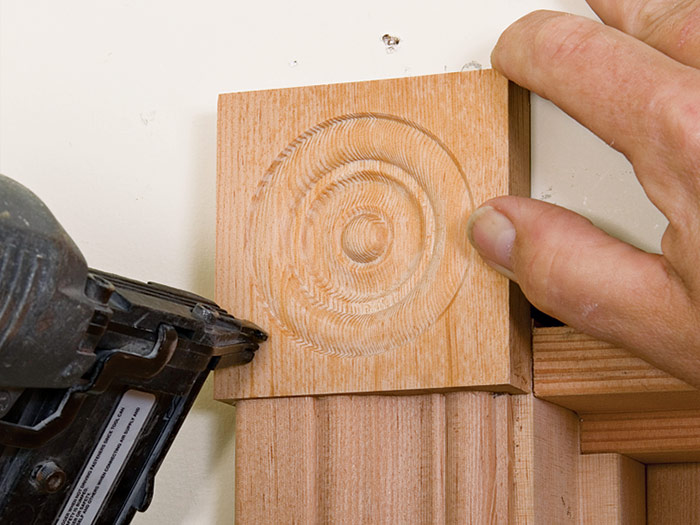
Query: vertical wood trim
x=381 y=459
x=673 y=493
x=463 y=457
x=612 y=490
x=518 y=140
x=479 y=450
x=433 y=459
x=520 y=337
x=546 y=445
x=276 y=479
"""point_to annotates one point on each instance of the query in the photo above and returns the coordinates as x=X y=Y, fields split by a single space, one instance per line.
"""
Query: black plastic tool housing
x=74 y=343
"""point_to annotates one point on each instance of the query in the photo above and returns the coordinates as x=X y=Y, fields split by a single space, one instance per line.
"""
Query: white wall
x=108 y=112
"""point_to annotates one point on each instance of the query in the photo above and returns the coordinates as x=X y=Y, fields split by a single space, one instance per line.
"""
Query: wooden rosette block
x=341 y=230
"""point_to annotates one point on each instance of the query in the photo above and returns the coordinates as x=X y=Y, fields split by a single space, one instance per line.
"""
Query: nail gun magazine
x=97 y=373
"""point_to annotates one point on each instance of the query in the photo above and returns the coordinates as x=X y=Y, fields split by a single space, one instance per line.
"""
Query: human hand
x=635 y=82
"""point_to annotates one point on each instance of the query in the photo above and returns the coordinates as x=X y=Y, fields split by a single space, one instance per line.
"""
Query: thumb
x=572 y=270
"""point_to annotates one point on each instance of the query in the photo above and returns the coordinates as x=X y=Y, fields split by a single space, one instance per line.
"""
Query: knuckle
x=539 y=276
x=550 y=260
x=563 y=37
x=655 y=19
x=690 y=27
x=690 y=126
x=648 y=19
x=678 y=112
x=542 y=278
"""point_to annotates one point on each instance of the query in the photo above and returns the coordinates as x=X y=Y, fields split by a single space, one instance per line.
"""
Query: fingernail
x=492 y=234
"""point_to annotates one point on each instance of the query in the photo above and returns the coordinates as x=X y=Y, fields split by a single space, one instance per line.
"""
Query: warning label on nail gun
x=107 y=459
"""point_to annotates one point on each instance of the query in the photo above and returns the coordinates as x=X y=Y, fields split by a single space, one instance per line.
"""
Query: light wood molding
x=374 y=459
x=341 y=230
x=478 y=459
x=612 y=490
x=649 y=437
x=673 y=493
x=546 y=444
x=587 y=375
x=460 y=457
x=626 y=405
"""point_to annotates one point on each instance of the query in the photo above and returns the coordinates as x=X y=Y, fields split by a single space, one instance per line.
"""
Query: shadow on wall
x=195 y=485
x=225 y=462
x=202 y=205
x=222 y=444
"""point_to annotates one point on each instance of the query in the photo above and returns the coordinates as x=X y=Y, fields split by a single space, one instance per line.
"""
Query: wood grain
x=461 y=457
x=586 y=375
x=276 y=461
x=612 y=490
x=381 y=460
x=340 y=230
x=429 y=459
x=649 y=437
x=545 y=479
x=673 y=493
x=479 y=458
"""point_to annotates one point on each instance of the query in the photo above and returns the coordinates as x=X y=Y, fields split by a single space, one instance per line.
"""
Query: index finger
x=668 y=25
x=626 y=92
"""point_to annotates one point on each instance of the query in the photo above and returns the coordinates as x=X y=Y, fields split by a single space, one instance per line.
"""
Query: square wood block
x=341 y=230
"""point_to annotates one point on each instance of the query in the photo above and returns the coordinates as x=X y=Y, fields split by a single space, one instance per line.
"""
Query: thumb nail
x=492 y=234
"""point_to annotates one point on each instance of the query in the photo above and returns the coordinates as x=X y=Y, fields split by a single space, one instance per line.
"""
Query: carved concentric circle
x=362 y=226
x=365 y=237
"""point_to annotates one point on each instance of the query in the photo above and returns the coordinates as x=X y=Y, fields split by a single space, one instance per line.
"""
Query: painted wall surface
x=108 y=112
